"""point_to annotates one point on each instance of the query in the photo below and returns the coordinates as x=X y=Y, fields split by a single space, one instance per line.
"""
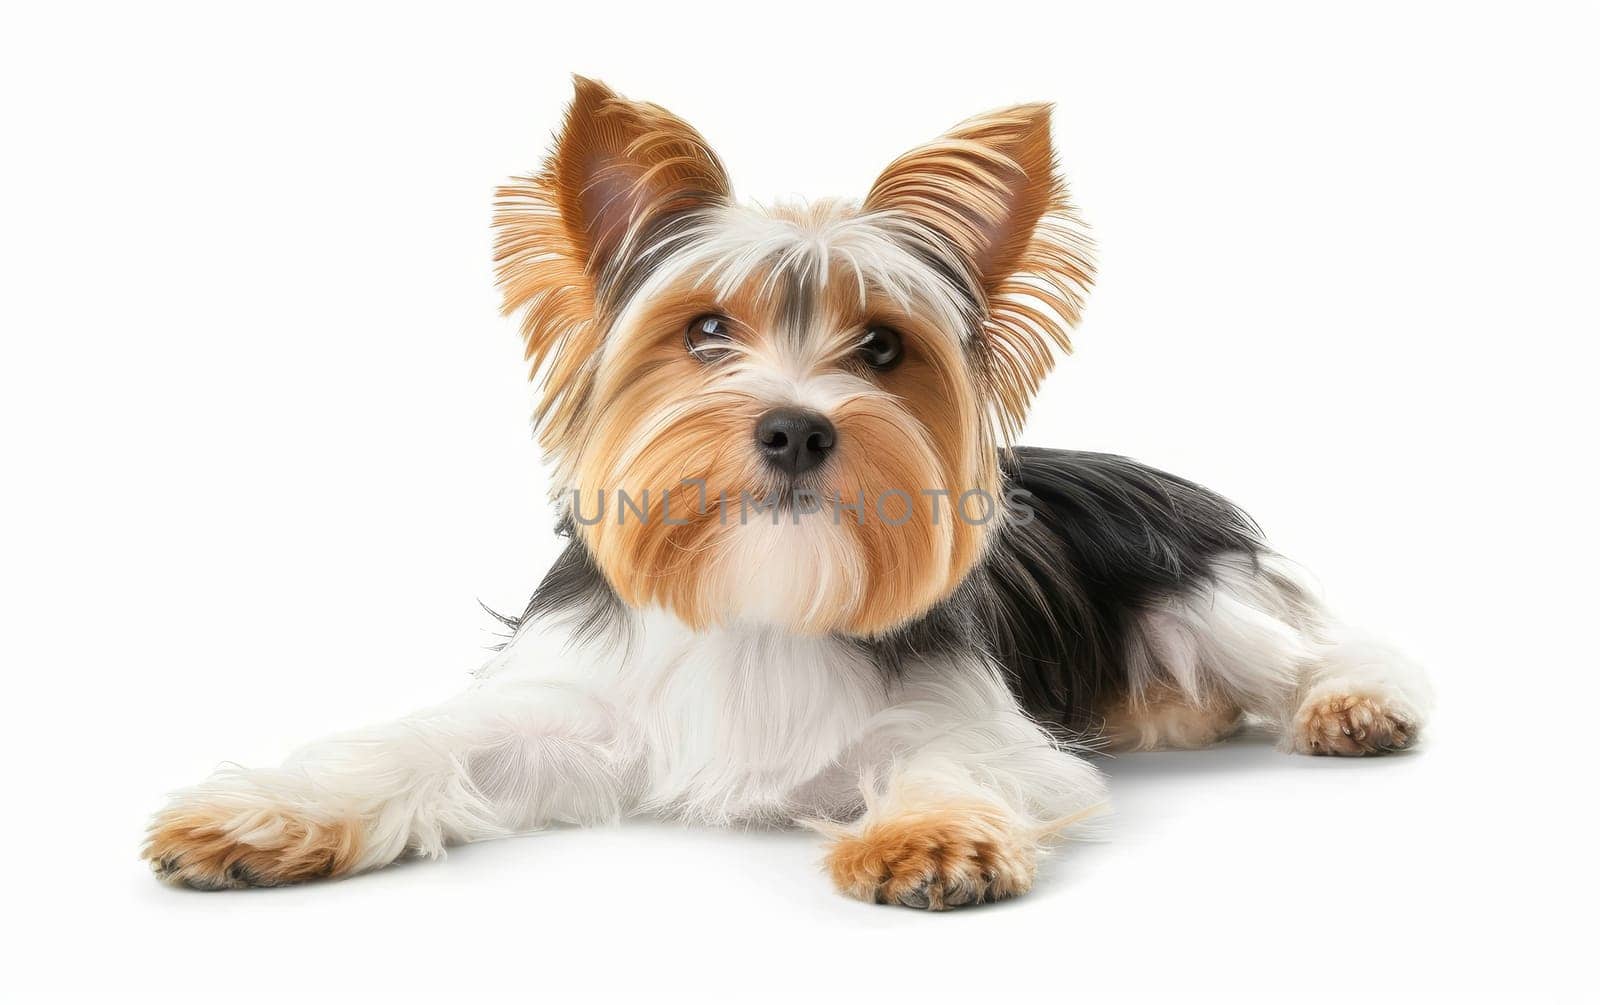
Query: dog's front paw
x=219 y=842
x=1352 y=723
x=935 y=858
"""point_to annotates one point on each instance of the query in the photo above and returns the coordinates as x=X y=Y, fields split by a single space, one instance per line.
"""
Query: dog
x=809 y=577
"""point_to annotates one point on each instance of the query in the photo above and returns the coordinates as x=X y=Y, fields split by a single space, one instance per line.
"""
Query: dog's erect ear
x=988 y=192
x=618 y=167
x=621 y=164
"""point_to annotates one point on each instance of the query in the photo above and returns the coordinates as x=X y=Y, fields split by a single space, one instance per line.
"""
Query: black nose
x=794 y=440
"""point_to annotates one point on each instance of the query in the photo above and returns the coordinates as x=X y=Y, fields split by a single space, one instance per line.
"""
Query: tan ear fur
x=990 y=189
x=617 y=166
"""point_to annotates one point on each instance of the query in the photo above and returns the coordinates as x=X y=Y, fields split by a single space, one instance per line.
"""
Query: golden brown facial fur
x=659 y=417
x=965 y=246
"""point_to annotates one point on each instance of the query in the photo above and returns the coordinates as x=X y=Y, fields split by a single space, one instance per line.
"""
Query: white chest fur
x=730 y=724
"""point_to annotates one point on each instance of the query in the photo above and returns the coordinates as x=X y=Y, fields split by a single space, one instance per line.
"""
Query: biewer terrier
x=809 y=578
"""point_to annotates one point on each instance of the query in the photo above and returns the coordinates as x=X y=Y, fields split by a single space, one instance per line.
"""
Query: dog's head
x=786 y=416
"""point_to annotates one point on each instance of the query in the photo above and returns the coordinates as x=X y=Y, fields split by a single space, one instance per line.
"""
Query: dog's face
x=786 y=417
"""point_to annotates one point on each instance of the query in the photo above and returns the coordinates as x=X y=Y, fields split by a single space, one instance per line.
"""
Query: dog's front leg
x=961 y=793
x=506 y=756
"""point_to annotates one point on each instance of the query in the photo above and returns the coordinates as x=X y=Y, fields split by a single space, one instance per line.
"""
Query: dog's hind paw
x=1352 y=723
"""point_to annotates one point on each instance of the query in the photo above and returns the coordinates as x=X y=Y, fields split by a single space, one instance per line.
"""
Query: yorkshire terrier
x=809 y=578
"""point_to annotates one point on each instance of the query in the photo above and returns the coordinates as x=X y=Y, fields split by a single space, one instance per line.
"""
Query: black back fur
x=1055 y=599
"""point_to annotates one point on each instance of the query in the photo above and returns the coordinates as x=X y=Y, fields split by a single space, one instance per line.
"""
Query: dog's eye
x=881 y=349
x=708 y=337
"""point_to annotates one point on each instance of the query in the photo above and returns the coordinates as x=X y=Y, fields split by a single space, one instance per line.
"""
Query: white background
x=265 y=440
